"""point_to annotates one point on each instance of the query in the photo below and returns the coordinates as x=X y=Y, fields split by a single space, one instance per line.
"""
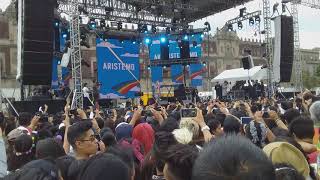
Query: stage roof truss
x=162 y=13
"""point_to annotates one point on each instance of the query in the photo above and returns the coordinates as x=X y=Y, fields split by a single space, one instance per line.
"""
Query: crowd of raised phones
x=264 y=139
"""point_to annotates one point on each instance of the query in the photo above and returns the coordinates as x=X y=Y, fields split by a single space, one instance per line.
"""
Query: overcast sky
x=308 y=21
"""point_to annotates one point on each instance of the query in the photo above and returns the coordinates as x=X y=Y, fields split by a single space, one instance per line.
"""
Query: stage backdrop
x=155 y=49
x=177 y=74
x=195 y=45
x=118 y=68
x=196 y=74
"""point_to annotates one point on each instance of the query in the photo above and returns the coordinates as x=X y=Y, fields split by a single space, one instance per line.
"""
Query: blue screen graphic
x=118 y=68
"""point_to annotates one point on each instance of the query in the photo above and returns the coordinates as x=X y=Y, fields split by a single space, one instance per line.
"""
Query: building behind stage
x=224 y=52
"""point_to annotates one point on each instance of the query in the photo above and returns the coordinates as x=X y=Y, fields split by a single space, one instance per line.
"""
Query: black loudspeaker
x=247 y=62
x=55 y=106
x=287 y=48
x=164 y=48
x=185 y=49
x=38 y=37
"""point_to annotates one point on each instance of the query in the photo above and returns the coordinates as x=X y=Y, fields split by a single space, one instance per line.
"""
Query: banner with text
x=118 y=68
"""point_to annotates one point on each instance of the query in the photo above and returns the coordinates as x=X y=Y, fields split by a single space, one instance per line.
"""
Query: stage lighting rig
x=185 y=37
x=92 y=23
x=243 y=11
x=119 y=26
x=168 y=30
x=248 y=16
x=257 y=19
x=230 y=27
x=154 y=29
x=251 y=21
x=147 y=41
x=163 y=39
x=194 y=43
x=240 y=26
x=102 y=23
x=56 y=23
x=208 y=27
x=145 y=28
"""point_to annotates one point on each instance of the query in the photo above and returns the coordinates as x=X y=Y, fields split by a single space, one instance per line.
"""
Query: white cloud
x=130 y=55
x=107 y=44
x=4 y=4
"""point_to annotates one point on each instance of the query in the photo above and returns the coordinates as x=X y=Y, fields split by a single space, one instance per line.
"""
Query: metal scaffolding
x=268 y=40
x=77 y=101
x=297 y=59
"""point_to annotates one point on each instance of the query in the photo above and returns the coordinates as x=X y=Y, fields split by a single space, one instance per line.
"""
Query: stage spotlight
x=242 y=11
x=164 y=67
x=56 y=23
x=64 y=35
x=163 y=39
x=230 y=27
x=194 y=43
x=204 y=64
x=208 y=27
x=202 y=35
x=134 y=42
x=240 y=26
x=140 y=26
x=154 y=29
x=257 y=19
x=59 y=62
x=251 y=21
x=185 y=37
x=168 y=30
x=173 y=29
x=147 y=40
x=145 y=28
x=92 y=23
x=149 y=68
x=119 y=26
x=102 y=23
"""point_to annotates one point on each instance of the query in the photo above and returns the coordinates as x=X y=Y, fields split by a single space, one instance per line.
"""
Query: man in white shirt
x=86 y=96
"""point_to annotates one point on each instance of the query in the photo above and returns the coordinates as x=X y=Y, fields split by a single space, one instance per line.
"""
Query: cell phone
x=187 y=113
x=146 y=113
x=245 y=120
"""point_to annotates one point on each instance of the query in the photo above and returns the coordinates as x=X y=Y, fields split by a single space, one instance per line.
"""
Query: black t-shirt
x=74 y=168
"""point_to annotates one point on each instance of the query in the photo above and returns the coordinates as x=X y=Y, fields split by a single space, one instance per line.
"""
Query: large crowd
x=262 y=139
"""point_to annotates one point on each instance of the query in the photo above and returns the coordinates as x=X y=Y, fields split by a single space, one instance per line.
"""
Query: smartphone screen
x=192 y=112
x=245 y=120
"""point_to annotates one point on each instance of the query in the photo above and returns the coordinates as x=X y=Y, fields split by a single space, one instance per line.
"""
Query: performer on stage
x=86 y=96
x=218 y=89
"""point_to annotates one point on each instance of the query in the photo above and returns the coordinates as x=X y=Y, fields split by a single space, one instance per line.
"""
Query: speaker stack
x=37 y=41
x=284 y=48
